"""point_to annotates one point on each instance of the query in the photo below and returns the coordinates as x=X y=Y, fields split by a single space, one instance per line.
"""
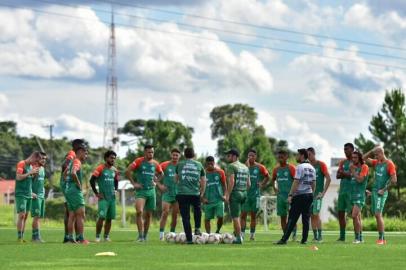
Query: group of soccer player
x=186 y=183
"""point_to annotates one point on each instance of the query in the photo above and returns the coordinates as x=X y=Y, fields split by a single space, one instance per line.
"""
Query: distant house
x=7 y=189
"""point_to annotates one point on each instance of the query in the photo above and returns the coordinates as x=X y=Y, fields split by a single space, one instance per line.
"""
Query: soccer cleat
x=381 y=242
x=303 y=242
x=97 y=240
x=65 y=240
x=281 y=242
x=83 y=242
x=140 y=240
x=20 y=240
x=252 y=238
x=314 y=240
x=198 y=232
x=341 y=240
x=71 y=241
x=356 y=241
x=107 y=239
x=237 y=242
x=294 y=238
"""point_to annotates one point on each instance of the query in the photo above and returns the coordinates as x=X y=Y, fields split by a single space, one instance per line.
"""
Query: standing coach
x=300 y=197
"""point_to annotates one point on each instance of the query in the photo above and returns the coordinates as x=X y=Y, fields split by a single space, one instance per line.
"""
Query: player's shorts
x=212 y=210
x=359 y=203
x=378 y=202
x=38 y=207
x=75 y=200
x=23 y=205
x=237 y=199
x=282 y=205
x=344 y=202
x=251 y=204
x=171 y=199
x=149 y=196
x=316 y=206
x=106 y=209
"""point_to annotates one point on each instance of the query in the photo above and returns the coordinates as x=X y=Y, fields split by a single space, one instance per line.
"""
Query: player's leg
x=150 y=207
x=80 y=220
x=65 y=221
x=236 y=202
x=306 y=206
x=253 y=224
x=243 y=220
x=20 y=205
x=101 y=212
x=357 y=226
x=294 y=213
x=71 y=222
x=220 y=215
x=378 y=206
x=175 y=213
x=341 y=206
x=208 y=216
x=35 y=212
x=164 y=216
x=282 y=211
x=139 y=209
x=111 y=214
x=197 y=213
x=184 y=208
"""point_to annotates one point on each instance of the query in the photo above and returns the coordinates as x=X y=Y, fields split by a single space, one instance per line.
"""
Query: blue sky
x=52 y=68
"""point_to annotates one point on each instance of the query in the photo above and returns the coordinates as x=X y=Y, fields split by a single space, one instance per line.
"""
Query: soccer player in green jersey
x=144 y=173
x=344 y=200
x=359 y=182
x=169 y=190
x=259 y=177
x=385 y=176
x=214 y=197
x=38 y=199
x=238 y=183
x=191 y=180
x=106 y=176
x=282 y=179
x=23 y=190
x=69 y=157
x=323 y=181
x=74 y=196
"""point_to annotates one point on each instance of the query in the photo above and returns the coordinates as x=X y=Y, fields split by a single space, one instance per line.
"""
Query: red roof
x=7 y=186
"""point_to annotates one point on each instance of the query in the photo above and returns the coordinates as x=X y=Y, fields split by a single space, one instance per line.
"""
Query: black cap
x=210 y=159
x=81 y=146
x=233 y=151
x=303 y=152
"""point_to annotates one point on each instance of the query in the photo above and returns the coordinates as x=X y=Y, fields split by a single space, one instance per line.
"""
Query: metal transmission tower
x=110 y=138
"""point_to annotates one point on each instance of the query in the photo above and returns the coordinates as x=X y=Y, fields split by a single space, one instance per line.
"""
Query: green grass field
x=261 y=254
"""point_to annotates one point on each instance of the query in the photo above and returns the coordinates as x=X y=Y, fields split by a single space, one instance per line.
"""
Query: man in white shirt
x=300 y=197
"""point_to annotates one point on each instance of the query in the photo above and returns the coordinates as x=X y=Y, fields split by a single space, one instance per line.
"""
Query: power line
x=271 y=28
x=213 y=39
x=231 y=32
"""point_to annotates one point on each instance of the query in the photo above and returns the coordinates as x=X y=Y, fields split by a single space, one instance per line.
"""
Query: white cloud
x=3 y=102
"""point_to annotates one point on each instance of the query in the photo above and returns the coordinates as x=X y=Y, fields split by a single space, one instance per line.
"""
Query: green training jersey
x=345 y=183
x=23 y=187
x=214 y=189
x=70 y=156
x=144 y=172
x=189 y=172
x=106 y=177
x=383 y=172
x=321 y=172
x=38 y=183
x=241 y=175
x=169 y=169
x=71 y=185
x=358 y=188
x=258 y=172
x=284 y=178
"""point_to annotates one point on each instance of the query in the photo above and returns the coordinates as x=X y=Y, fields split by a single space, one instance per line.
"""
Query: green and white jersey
x=345 y=183
x=283 y=175
x=383 y=172
x=257 y=174
x=38 y=183
x=321 y=172
x=169 y=169
x=241 y=175
x=214 y=189
x=71 y=185
x=105 y=180
x=144 y=172
x=358 y=188
x=23 y=187
x=189 y=172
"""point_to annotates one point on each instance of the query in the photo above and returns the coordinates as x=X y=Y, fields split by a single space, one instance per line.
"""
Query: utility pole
x=50 y=151
x=110 y=136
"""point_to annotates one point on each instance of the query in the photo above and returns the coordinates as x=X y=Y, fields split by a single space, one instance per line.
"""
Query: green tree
x=389 y=128
x=163 y=134
x=10 y=151
x=235 y=127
